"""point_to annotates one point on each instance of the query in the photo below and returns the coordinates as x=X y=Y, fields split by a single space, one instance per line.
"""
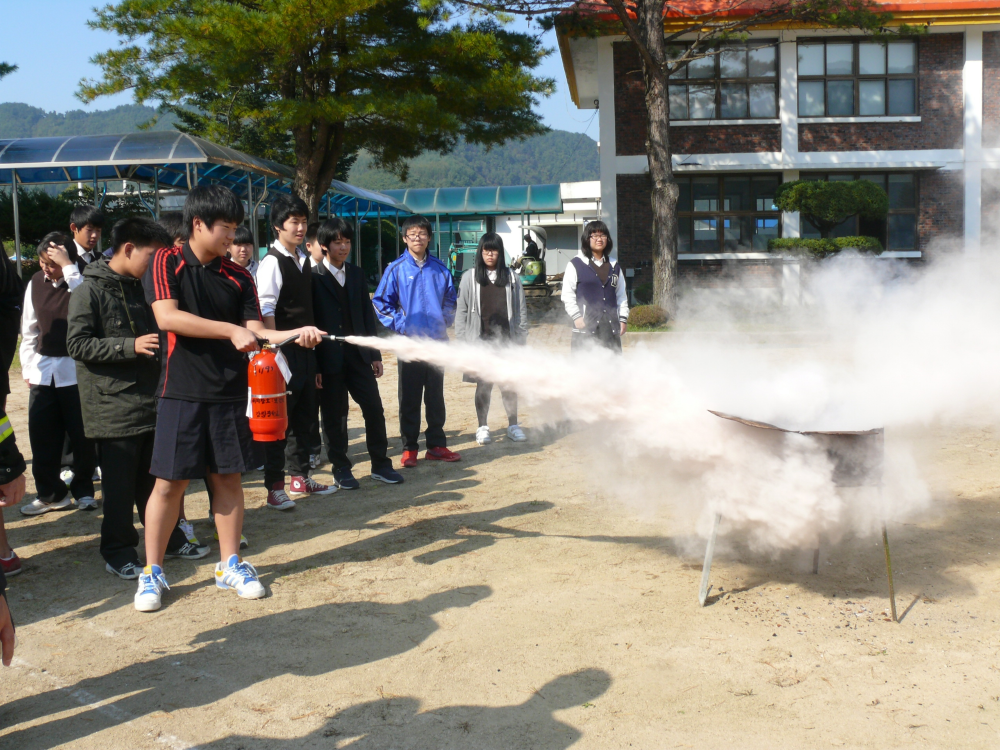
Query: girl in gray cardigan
x=491 y=308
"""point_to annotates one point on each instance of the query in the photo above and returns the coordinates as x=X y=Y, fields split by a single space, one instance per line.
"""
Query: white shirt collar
x=298 y=256
x=491 y=275
x=87 y=255
x=340 y=274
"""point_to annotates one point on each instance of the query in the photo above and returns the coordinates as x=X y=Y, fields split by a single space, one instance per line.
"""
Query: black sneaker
x=129 y=571
x=388 y=475
x=189 y=552
x=345 y=480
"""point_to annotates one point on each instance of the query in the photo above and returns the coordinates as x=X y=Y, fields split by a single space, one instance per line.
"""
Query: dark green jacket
x=117 y=386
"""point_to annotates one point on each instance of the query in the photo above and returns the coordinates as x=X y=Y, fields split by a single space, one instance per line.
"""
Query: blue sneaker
x=151 y=585
x=388 y=475
x=239 y=576
x=345 y=480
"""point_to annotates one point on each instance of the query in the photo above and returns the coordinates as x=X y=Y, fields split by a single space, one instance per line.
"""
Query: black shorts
x=194 y=437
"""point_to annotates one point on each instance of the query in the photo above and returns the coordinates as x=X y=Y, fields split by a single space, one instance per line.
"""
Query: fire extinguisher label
x=282 y=363
x=249 y=403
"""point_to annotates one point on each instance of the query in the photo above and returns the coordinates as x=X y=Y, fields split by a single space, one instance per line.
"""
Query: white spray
x=898 y=349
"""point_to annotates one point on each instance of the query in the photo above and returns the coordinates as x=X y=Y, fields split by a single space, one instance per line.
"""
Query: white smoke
x=881 y=345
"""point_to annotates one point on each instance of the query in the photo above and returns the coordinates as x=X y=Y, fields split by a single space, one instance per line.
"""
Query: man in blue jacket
x=417 y=298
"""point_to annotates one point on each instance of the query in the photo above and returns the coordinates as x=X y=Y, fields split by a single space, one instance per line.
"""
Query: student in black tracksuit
x=343 y=307
x=284 y=286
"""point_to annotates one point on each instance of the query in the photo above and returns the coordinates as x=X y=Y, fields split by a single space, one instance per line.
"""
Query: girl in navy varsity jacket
x=593 y=291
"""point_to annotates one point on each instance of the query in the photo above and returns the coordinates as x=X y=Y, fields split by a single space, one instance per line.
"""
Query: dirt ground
x=502 y=602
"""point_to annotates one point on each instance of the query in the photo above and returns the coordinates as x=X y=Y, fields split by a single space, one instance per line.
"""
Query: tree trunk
x=664 y=190
x=318 y=149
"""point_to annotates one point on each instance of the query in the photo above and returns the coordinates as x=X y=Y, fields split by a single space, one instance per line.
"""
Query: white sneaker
x=483 y=435
x=66 y=475
x=97 y=475
x=239 y=576
x=188 y=531
x=151 y=584
x=515 y=433
x=36 y=507
x=86 y=503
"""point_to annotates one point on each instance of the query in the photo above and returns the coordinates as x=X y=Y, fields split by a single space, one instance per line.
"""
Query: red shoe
x=409 y=459
x=302 y=486
x=12 y=565
x=277 y=499
x=441 y=454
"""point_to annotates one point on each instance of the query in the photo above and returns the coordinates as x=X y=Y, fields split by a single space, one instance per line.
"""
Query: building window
x=847 y=78
x=898 y=231
x=727 y=214
x=740 y=82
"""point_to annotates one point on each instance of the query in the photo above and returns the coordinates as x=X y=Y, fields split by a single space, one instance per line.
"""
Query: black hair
x=59 y=238
x=311 y=231
x=211 y=203
x=334 y=229
x=173 y=223
x=595 y=227
x=491 y=241
x=141 y=232
x=286 y=206
x=419 y=222
x=84 y=214
x=243 y=236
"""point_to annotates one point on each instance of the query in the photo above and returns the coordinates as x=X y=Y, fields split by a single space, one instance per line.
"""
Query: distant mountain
x=24 y=121
x=557 y=156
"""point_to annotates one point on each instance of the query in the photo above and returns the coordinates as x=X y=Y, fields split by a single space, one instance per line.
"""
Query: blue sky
x=49 y=73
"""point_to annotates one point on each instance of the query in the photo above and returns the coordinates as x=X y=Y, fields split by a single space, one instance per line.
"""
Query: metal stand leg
x=888 y=571
x=816 y=561
x=707 y=567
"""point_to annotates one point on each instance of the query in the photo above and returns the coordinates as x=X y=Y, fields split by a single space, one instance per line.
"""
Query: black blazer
x=330 y=354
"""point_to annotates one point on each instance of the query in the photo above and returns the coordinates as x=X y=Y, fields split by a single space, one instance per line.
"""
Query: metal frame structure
x=165 y=159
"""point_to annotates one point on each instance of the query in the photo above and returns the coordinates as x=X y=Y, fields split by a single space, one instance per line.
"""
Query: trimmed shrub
x=823 y=248
x=827 y=204
x=646 y=316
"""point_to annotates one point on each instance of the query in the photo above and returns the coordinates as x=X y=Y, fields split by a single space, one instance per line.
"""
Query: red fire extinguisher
x=268 y=409
x=268 y=414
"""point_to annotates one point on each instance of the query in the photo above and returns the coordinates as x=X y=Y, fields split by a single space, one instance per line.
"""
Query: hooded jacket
x=469 y=318
x=416 y=300
x=107 y=312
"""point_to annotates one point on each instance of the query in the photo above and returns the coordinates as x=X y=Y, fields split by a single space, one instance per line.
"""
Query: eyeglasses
x=417 y=236
x=491 y=252
x=598 y=236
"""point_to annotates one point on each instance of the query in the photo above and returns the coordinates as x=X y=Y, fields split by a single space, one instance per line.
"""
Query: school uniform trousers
x=126 y=482
x=54 y=412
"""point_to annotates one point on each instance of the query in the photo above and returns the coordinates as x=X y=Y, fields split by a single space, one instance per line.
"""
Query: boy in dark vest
x=284 y=285
x=343 y=308
x=54 y=402
x=86 y=223
x=113 y=338
x=593 y=292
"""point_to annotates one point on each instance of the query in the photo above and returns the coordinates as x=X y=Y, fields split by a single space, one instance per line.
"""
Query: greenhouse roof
x=516 y=199
x=168 y=158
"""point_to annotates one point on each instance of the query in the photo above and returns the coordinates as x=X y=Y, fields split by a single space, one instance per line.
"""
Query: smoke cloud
x=879 y=344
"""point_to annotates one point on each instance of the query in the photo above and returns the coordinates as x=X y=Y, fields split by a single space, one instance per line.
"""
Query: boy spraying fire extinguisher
x=207 y=310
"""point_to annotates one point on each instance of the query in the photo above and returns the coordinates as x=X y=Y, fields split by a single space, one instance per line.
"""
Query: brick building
x=920 y=116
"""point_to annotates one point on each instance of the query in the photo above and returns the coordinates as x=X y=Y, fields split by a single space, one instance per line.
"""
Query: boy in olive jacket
x=112 y=336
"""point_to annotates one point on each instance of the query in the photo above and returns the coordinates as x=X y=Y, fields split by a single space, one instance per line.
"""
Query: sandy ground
x=504 y=602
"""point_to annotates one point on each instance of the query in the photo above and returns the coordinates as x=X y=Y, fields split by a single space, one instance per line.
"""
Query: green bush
x=823 y=248
x=646 y=316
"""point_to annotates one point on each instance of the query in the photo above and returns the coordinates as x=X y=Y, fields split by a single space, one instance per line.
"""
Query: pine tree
x=311 y=81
